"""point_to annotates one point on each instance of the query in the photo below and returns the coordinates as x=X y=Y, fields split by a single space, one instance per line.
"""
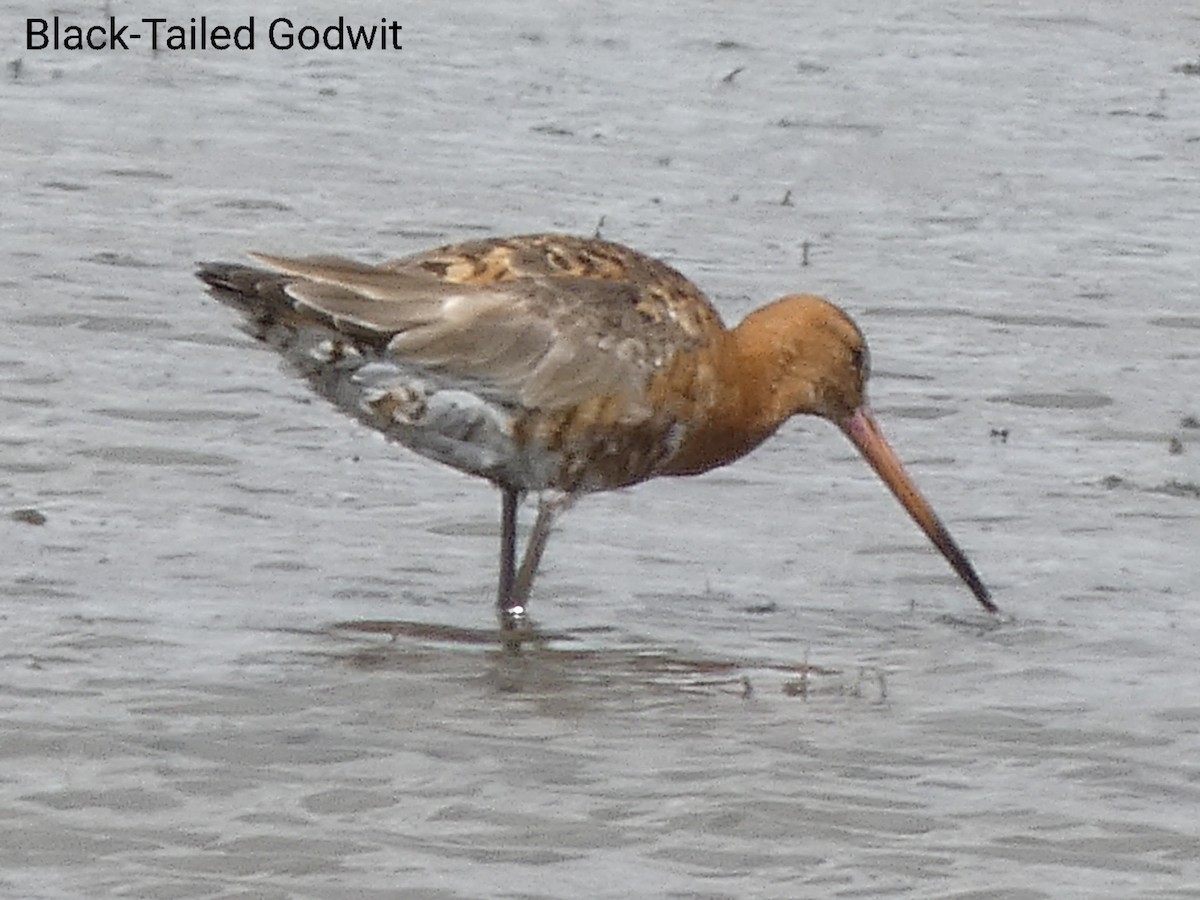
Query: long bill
x=860 y=426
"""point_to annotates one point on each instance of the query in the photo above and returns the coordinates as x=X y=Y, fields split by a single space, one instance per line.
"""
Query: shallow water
x=758 y=683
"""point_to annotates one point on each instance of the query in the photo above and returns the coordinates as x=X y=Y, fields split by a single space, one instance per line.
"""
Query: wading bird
x=560 y=366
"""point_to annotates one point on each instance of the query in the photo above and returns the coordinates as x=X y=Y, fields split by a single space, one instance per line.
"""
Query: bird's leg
x=510 y=500
x=549 y=509
x=515 y=584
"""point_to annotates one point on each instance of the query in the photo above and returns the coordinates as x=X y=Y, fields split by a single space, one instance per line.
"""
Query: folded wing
x=538 y=340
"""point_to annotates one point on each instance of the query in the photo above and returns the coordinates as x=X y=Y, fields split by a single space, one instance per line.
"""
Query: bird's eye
x=862 y=361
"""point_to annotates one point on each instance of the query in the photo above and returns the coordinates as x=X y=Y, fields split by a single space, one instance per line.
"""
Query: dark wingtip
x=220 y=274
x=256 y=293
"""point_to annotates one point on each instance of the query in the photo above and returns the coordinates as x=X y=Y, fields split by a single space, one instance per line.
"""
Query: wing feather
x=543 y=322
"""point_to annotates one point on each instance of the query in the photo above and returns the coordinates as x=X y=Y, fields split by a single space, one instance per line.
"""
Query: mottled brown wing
x=663 y=294
x=542 y=334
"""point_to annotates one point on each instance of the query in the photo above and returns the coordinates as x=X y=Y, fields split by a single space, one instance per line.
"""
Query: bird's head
x=808 y=357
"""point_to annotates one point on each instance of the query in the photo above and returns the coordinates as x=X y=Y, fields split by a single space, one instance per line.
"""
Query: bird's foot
x=516 y=628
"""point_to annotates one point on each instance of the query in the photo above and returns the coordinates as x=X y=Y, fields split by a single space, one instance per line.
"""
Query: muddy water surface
x=760 y=683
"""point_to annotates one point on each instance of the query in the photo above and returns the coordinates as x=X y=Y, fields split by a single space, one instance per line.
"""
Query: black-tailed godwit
x=560 y=365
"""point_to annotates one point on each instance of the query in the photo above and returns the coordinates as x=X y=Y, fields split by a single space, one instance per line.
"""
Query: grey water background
x=763 y=683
